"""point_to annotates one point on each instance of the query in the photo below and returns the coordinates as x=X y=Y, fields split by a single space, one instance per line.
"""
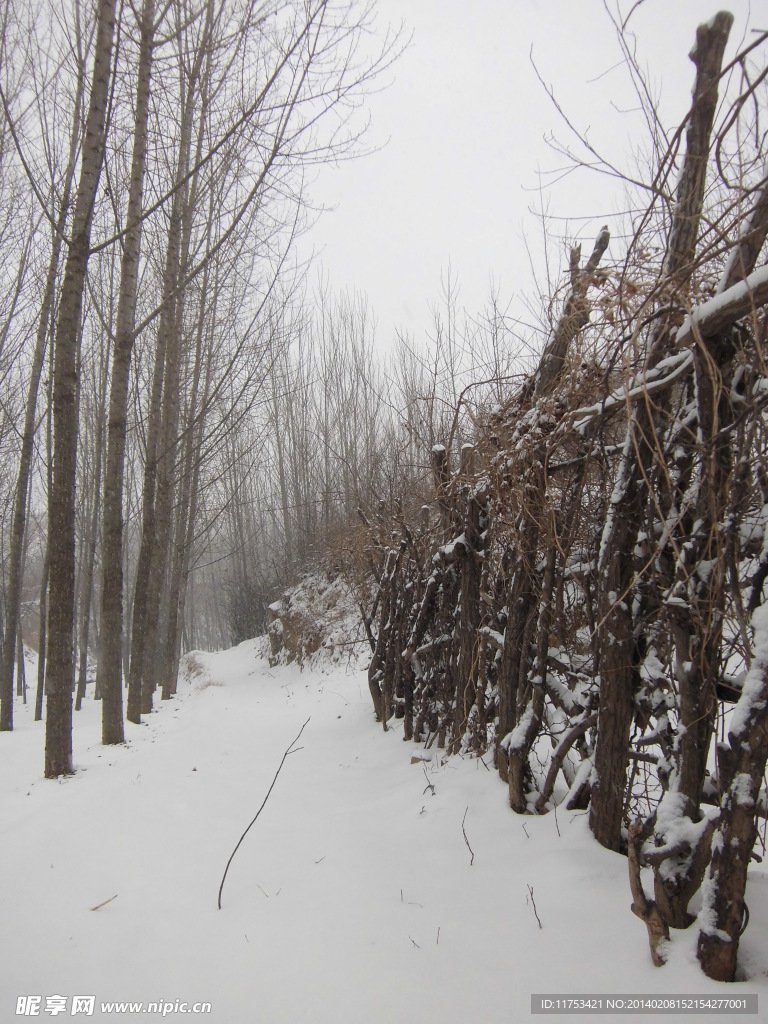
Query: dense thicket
x=581 y=591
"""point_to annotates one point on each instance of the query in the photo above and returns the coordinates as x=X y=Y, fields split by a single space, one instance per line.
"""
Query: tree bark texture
x=722 y=915
x=60 y=673
x=18 y=530
x=109 y=672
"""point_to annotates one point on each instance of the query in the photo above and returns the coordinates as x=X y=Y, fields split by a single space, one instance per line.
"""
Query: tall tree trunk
x=22 y=680
x=60 y=673
x=167 y=471
x=282 y=476
x=172 y=670
x=13 y=601
x=185 y=519
x=109 y=672
x=91 y=542
x=42 y=643
x=138 y=694
x=42 y=637
x=153 y=549
x=141 y=683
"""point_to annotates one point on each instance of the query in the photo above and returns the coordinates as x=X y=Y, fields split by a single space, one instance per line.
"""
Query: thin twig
x=466 y=840
x=100 y=905
x=291 y=749
x=530 y=890
x=410 y=903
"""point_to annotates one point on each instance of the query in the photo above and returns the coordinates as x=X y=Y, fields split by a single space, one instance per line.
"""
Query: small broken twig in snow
x=410 y=903
x=466 y=840
x=100 y=905
x=530 y=891
x=429 y=785
x=291 y=749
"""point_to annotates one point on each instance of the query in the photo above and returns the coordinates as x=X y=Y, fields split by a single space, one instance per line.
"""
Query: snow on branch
x=655 y=379
x=723 y=310
x=708 y=319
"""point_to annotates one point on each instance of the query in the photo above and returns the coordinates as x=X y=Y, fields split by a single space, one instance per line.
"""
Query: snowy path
x=352 y=899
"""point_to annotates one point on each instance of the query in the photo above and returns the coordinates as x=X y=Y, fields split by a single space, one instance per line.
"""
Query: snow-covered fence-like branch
x=573 y=597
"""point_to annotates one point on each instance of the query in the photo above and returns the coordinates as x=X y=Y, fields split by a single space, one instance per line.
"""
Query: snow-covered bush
x=316 y=622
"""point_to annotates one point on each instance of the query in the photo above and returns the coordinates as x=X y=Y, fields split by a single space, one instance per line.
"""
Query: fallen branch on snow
x=291 y=749
x=100 y=905
x=530 y=891
x=466 y=840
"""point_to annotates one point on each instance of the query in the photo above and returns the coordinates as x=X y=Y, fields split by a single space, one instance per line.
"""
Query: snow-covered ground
x=352 y=900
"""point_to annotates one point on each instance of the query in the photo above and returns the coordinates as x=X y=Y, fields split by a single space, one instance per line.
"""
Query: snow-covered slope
x=353 y=899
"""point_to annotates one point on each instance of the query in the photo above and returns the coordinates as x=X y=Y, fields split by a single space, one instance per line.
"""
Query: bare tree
x=18 y=534
x=60 y=675
x=109 y=679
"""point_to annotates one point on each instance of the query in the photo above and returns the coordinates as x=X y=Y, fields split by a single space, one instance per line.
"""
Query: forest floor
x=354 y=899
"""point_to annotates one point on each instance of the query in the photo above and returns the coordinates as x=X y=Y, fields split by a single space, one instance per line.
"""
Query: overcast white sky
x=464 y=124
